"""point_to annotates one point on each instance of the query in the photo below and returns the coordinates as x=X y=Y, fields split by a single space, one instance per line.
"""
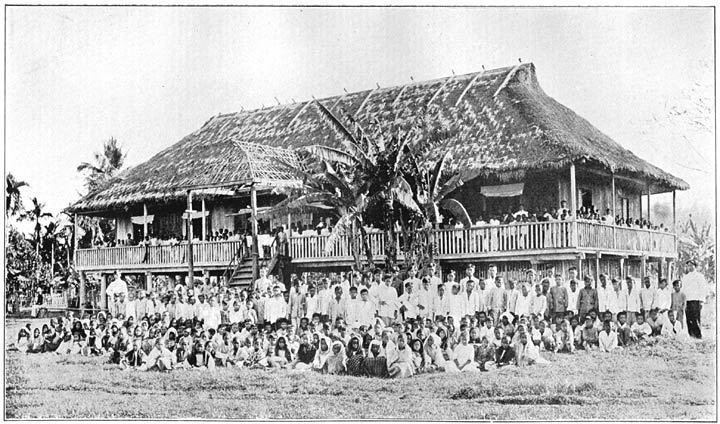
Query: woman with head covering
x=335 y=363
x=400 y=363
x=484 y=354
x=322 y=354
x=374 y=364
x=355 y=357
x=564 y=338
x=281 y=356
x=465 y=355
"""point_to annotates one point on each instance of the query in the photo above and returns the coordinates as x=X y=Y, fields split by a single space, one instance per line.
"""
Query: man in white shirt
x=275 y=307
x=663 y=298
x=425 y=299
x=211 y=315
x=632 y=300
x=456 y=304
x=523 y=302
x=312 y=303
x=118 y=286
x=237 y=314
x=352 y=314
x=388 y=304
x=263 y=283
x=538 y=304
x=366 y=309
x=573 y=294
x=412 y=278
x=409 y=301
x=482 y=292
x=324 y=298
x=604 y=293
x=512 y=295
x=647 y=298
x=695 y=287
x=469 y=276
x=441 y=304
x=672 y=328
x=432 y=275
x=338 y=306
x=472 y=298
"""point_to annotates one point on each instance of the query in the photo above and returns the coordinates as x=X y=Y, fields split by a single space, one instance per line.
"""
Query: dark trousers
x=692 y=314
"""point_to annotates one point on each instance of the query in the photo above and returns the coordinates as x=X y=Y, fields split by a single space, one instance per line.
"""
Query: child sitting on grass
x=607 y=339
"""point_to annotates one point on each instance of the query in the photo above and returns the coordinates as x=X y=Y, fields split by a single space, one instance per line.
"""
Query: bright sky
x=149 y=76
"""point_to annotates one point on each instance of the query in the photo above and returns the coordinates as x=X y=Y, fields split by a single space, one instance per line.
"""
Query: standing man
x=633 y=300
x=387 y=301
x=425 y=298
x=412 y=279
x=557 y=299
x=297 y=304
x=647 y=298
x=263 y=283
x=604 y=293
x=587 y=299
x=118 y=286
x=469 y=276
x=695 y=287
x=497 y=299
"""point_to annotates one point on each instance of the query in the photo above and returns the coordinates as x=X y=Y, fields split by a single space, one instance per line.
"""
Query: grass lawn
x=667 y=380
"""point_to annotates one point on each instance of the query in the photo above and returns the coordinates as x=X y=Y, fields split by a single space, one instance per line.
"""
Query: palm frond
x=330 y=154
x=339 y=230
x=457 y=210
x=402 y=191
x=451 y=185
x=346 y=138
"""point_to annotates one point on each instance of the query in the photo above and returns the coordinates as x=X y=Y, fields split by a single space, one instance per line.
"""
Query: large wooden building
x=510 y=142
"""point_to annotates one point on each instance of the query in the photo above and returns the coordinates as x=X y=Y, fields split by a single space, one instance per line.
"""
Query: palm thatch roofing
x=495 y=123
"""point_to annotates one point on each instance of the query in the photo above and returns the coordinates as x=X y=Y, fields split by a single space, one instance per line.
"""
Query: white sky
x=149 y=76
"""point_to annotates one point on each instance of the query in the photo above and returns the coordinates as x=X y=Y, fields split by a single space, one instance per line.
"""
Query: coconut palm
x=698 y=243
x=13 y=198
x=36 y=214
x=106 y=165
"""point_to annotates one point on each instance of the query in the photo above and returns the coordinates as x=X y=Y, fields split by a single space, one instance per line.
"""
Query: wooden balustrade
x=504 y=238
x=314 y=247
x=535 y=237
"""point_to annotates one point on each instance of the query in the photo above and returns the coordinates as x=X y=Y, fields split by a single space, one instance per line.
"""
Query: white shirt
x=425 y=298
x=572 y=299
x=538 y=304
x=275 y=308
x=473 y=302
x=604 y=298
x=695 y=286
x=607 y=341
x=352 y=314
x=388 y=295
x=410 y=302
x=663 y=298
x=463 y=283
x=522 y=305
x=117 y=286
x=366 y=312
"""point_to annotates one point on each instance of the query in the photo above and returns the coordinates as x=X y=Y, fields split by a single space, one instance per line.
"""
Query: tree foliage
x=698 y=242
x=13 y=197
x=106 y=165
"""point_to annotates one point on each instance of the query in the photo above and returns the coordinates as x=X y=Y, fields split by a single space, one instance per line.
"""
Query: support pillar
x=573 y=191
x=191 y=271
x=648 y=203
x=597 y=269
x=643 y=265
x=75 y=239
x=81 y=294
x=255 y=249
x=204 y=220
x=103 y=291
x=145 y=229
x=674 y=227
x=614 y=202
x=149 y=281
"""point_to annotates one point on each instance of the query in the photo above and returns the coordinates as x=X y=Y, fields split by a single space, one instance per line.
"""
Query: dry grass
x=663 y=380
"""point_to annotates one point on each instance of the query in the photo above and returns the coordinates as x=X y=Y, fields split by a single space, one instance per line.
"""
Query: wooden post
x=204 y=221
x=573 y=191
x=191 y=271
x=648 y=204
x=103 y=292
x=643 y=264
x=75 y=240
x=117 y=234
x=622 y=269
x=597 y=268
x=674 y=227
x=81 y=294
x=148 y=281
x=614 y=202
x=255 y=249
x=145 y=230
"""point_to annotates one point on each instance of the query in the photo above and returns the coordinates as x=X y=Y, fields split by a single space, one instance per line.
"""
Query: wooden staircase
x=239 y=269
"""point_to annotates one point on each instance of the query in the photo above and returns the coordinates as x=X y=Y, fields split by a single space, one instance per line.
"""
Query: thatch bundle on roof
x=497 y=122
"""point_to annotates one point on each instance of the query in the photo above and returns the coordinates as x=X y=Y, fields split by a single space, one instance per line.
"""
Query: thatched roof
x=497 y=122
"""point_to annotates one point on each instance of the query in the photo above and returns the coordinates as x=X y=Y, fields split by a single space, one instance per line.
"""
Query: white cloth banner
x=140 y=220
x=505 y=190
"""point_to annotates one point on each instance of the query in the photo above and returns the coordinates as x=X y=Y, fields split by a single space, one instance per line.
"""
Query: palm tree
x=698 y=243
x=56 y=232
x=13 y=198
x=36 y=214
x=347 y=180
x=106 y=165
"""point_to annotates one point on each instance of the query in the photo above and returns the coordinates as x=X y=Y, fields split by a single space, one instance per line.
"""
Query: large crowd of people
x=365 y=324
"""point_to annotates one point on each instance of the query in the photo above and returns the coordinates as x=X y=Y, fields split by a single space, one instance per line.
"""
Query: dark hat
x=691 y=261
